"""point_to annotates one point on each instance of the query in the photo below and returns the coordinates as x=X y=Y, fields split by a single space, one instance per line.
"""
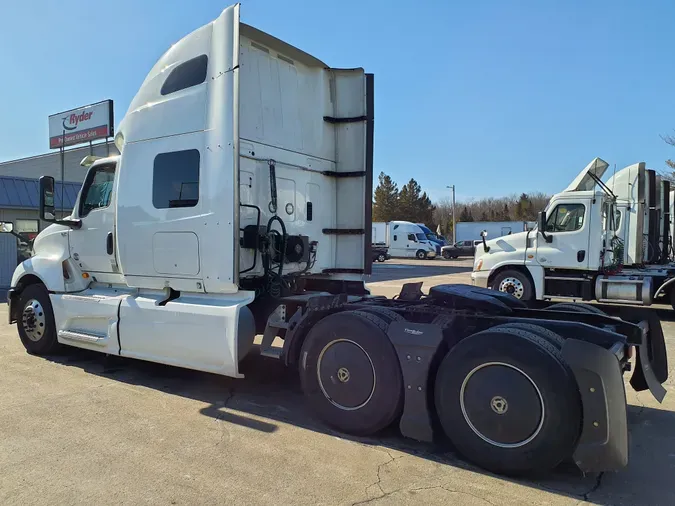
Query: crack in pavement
x=378 y=483
x=219 y=417
x=642 y=405
x=598 y=482
x=433 y=487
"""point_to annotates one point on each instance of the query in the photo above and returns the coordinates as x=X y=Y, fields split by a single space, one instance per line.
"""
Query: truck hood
x=508 y=248
x=584 y=180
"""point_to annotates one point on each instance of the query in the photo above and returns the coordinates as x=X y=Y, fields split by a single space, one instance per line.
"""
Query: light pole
x=454 y=235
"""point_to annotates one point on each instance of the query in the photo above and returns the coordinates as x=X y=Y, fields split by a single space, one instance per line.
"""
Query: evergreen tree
x=385 y=206
x=414 y=205
x=465 y=215
x=524 y=208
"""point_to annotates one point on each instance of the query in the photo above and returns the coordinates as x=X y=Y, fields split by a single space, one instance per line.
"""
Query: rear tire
x=514 y=282
x=421 y=254
x=350 y=373
x=35 y=322
x=381 y=258
x=446 y=255
x=576 y=307
x=384 y=314
x=553 y=338
x=508 y=402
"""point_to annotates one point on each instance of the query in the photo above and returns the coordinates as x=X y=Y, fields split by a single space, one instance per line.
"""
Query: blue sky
x=496 y=97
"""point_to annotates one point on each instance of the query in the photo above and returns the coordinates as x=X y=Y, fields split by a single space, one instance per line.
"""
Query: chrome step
x=82 y=337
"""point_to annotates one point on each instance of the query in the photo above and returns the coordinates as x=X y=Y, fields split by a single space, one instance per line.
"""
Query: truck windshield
x=421 y=237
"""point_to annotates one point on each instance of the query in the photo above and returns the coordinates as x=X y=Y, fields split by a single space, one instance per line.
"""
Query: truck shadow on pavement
x=271 y=395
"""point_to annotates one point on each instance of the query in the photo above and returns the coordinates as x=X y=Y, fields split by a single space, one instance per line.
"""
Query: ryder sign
x=83 y=124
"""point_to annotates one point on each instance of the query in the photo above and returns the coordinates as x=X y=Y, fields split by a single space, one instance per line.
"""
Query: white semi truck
x=240 y=205
x=609 y=242
x=404 y=239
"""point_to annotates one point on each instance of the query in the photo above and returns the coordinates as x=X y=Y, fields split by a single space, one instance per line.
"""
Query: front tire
x=35 y=324
x=381 y=258
x=508 y=401
x=421 y=254
x=515 y=283
x=350 y=374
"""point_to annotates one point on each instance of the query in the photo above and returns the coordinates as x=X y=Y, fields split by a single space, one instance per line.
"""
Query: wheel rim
x=512 y=286
x=381 y=258
x=502 y=405
x=346 y=374
x=33 y=320
x=421 y=255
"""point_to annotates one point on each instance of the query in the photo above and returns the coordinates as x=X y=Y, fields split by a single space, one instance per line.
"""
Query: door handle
x=581 y=255
x=109 y=243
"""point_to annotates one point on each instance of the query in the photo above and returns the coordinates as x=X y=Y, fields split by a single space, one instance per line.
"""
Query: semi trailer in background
x=471 y=230
x=219 y=221
x=404 y=239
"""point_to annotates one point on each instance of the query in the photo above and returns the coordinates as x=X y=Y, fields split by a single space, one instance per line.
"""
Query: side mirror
x=542 y=226
x=47 y=209
x=483 y=235
x=47 y=206
x=6 y=227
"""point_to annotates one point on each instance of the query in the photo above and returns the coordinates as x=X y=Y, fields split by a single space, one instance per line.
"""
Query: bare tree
x=670 y=140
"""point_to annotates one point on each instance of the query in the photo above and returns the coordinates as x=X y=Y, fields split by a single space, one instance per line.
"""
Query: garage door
x=7 y=262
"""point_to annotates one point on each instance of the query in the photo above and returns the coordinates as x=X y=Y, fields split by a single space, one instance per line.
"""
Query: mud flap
x=416 y=345
x=603 y=443
x=651 y=364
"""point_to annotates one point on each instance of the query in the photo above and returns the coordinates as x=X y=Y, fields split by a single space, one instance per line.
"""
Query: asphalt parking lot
x=83 y=429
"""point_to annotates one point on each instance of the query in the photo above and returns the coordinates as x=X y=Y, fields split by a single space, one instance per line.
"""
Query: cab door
x=568 y=227
x=92 y=245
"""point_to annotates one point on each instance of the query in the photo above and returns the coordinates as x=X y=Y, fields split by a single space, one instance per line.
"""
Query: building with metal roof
x=20 y=196
x=23 y=193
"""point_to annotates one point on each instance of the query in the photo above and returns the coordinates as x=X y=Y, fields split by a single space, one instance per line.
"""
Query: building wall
x=11 y=252
x=26 y=214
x=50 y=164
x=8 y=259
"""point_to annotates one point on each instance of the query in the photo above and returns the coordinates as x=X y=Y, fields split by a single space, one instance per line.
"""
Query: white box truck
x=404 y=239
x=240 y=204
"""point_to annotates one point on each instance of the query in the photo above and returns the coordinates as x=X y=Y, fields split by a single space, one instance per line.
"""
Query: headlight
x=478 y=265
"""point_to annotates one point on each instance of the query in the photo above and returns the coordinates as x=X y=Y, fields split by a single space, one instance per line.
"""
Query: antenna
x=614 y=178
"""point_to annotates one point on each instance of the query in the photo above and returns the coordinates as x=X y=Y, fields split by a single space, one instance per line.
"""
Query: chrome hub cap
x=343 y=375
x=499 y=405
x=33 y=320
x=512 y=286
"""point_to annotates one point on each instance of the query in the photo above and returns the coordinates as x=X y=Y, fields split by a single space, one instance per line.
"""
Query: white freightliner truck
x=404 y=239
x=609 y=242
x=240 y=205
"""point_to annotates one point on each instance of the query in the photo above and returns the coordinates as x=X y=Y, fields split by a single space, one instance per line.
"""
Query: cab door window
x=566 y=218
x=97 y=189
